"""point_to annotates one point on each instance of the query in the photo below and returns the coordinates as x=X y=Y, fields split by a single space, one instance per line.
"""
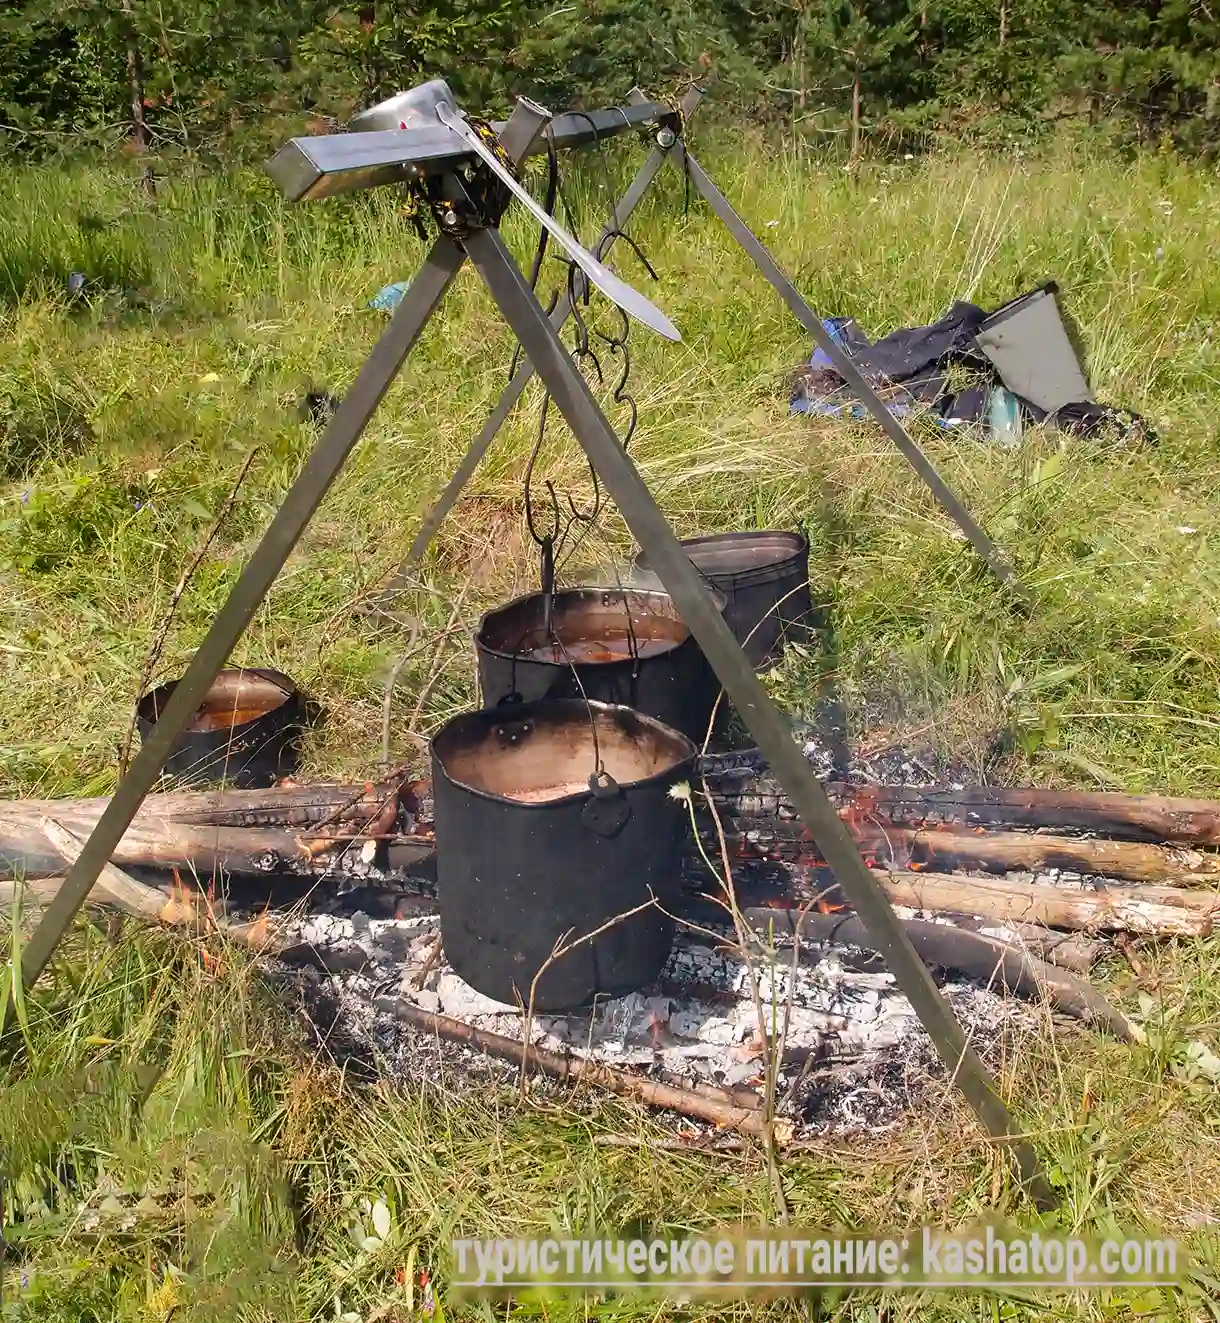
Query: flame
x=861 y=807
x=824 y=906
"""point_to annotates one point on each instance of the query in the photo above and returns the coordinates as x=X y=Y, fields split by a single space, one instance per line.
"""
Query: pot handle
x=608 y=811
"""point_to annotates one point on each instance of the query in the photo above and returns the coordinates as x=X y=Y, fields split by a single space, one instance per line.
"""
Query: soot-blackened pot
x=765 y=577
x=528 y=855
x=246 y=732
x=668 y=677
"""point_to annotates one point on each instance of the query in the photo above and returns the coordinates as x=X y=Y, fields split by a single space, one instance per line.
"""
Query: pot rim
x=146 y=709
x=719 y=597
x=798 y=541
x=519 y=709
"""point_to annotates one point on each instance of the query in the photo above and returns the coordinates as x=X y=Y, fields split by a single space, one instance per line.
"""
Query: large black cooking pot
x=765 y=577
x=654 y=666
x=527 y=853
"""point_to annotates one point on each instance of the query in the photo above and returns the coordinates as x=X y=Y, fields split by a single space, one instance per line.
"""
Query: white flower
x=680 y=791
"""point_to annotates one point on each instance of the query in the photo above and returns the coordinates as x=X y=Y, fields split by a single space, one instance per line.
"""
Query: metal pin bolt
x=450 y=217
x=666 y=138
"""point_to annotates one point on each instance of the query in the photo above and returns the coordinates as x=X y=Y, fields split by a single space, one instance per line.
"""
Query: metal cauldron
x=246 y=732
x=528 y=853
x=765 y=577
x=624 y=646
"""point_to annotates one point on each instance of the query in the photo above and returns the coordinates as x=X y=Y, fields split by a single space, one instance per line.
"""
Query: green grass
x=123 y=422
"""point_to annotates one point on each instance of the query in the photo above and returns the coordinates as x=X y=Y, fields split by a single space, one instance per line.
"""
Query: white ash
x=848 y=1029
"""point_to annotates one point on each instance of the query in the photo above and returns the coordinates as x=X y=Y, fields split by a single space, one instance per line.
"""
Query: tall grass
x=211 y=308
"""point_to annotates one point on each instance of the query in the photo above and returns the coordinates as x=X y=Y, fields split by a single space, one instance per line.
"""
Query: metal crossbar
x=306 y=169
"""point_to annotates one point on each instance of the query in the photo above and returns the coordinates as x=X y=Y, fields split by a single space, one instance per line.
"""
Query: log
x=947 y=847
x=1003 y=852
x=156 y=842
x=983 y=959
x=177 y=909
x=1066 y=950
x=801 y=885
x=1125 y=817
x=112 y=883
x=278 y=806
x=1145 y=910
x=1150 y=911
x=742 y=1120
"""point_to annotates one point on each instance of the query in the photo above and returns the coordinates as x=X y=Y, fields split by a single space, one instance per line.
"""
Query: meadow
x=212 y=307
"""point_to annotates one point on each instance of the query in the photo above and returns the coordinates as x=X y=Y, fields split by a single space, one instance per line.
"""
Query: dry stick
x=744 y=1120
x=435 y=668
x=739 y=1096
x=671 y=1144
x=765 y=1037
x=154 y=652
x=387 y=705
x=419 y=978
x=558 y=952
x=772 y=1052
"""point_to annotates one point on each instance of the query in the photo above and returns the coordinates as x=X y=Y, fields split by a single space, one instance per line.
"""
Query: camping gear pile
x=1017 y=365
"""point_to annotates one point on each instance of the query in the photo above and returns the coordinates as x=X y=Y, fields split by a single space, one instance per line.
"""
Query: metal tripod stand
x=474 y=234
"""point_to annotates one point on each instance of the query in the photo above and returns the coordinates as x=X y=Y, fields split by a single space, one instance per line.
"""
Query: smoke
x=618 y=574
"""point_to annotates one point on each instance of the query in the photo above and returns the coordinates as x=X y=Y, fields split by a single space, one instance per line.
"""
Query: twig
x=673 y=1144
x=387 y=705
x=435 y=668
x=559 y=951
x=154 y=652
x=430 y=963
x=770 y=1058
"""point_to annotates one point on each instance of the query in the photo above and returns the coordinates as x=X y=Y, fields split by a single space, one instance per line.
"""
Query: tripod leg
x=771 y=731
x=914 y=455
x=314 y=481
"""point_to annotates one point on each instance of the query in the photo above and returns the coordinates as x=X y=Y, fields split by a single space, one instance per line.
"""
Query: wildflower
x=680 y=792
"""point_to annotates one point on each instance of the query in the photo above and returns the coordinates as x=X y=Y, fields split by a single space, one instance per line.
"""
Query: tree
x=864 y=49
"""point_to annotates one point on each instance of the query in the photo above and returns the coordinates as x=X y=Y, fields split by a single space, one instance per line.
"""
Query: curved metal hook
x=620 y=393
x=616 y=233
x=541 y=539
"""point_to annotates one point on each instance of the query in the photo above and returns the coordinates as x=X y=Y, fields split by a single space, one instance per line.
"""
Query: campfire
x=1011 y=896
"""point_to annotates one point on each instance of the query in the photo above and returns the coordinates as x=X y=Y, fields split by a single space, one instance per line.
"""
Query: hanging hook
x=531 y=524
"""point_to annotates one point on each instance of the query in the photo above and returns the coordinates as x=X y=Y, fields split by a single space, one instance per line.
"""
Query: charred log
x=1125 y=817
